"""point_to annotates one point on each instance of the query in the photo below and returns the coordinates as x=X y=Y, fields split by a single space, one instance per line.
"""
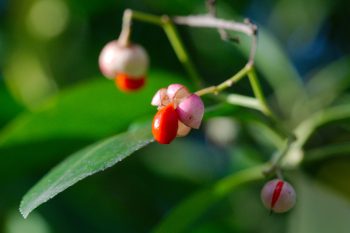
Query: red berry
x=278 y=196
x=127 y=83
x=165 y=124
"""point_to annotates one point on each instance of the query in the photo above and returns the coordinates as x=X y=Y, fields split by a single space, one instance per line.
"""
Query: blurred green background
x=54 y=101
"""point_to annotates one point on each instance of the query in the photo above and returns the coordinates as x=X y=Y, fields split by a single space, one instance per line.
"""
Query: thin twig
x=208 y=21
x=306 y=128
x=254 y=42
x=212 y=22
x=172 y=34
x=229 y=82
x=241 y=100
x=278 y=157
x=211 y=6
x=179 y=48
x=254 y=83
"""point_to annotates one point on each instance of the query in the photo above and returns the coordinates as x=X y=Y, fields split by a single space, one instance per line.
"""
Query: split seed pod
x=278 y=196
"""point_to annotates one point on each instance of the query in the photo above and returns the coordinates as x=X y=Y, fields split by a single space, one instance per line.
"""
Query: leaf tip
x=23 y=212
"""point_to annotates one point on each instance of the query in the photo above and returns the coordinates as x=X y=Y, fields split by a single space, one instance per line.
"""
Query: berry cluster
x=178 y=112
x=126 y=64
x=178 y=109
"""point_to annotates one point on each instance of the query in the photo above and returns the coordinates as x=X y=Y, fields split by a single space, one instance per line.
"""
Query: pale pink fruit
x=116 y=58
x=160 y=99
x=278 y=196
x=191 y=111
x=177 y=93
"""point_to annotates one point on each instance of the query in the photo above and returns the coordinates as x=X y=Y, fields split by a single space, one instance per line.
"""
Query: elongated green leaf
x=326 y=152
x=91 y=110
x=86 y=162
x=265 y=135
x=327 y=84
x=324 y=87
x=187 y=212
x=75 y=118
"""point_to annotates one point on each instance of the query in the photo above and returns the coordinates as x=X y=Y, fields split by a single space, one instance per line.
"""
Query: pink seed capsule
x=278 y=196
x=182 y=130
x=191 y=111
x=177 y=93
x=116 y=58
x=160 y=99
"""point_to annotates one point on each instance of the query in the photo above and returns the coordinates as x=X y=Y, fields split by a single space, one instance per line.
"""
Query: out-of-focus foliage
x=53 y=102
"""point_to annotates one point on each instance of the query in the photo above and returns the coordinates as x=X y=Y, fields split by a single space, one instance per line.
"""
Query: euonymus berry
x=189 y=109
x=127 y=83
x=130 y=62
x=278 y=196
x=165 y=124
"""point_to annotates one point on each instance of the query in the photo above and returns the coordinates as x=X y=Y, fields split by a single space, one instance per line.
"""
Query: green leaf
x=324 y=87
x=187 y=212
x=328 y=83
x=91 y=110
x=84 y=163
x=265 y=135
x=326 y=152
x=77 y=117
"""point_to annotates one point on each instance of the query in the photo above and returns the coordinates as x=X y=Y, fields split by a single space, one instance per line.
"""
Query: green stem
x=175 y=41
x=226 y=84
x=235 y=78
x=263 y=106
x=275 y=167
x=326 y=152
x=147 y=18
x=240 y=100
x=254 y=82
x=180 y=51
x=246 y=70
x=226 y=185
x=307 y=127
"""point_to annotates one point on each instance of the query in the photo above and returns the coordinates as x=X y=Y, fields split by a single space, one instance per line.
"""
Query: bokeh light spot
x=48 y=18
